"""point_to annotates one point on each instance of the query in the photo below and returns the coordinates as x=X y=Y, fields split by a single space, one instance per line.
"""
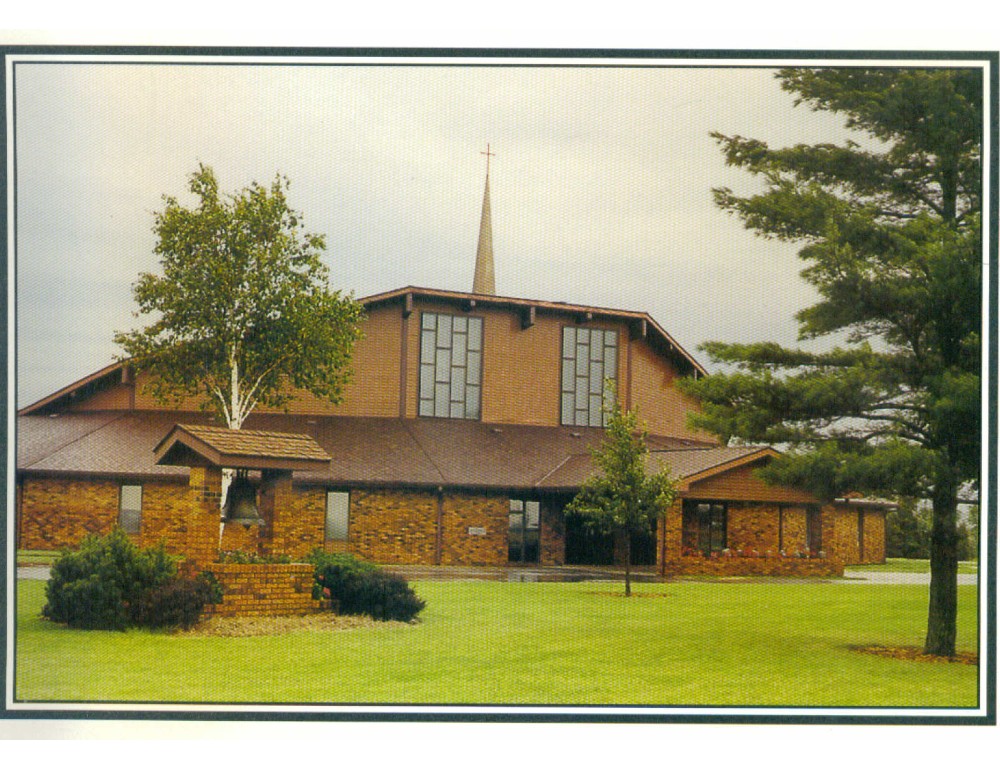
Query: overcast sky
x=600 y=187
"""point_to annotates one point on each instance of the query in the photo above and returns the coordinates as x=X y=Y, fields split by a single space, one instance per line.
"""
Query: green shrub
x=380 y=595
x=334 y=568
x=96 y=587
x=359 y=587
x=178 y=603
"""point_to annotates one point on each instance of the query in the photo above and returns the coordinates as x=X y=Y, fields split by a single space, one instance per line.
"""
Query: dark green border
x=695 y=57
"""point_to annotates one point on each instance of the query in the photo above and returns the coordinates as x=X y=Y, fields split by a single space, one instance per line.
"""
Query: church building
x=464 y=433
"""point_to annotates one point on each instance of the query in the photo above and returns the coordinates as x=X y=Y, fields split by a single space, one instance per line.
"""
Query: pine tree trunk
x=943 y=605
x=628 y=564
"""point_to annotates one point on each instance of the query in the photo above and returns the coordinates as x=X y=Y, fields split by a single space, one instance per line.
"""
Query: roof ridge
x=556 y=468
x=416 y=441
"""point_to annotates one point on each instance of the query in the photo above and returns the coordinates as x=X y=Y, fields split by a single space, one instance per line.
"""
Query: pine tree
x=890 y=236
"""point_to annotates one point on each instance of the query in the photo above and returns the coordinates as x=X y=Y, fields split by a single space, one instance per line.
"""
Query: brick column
x=670 y=549
x=201 y=526
x=275 y=504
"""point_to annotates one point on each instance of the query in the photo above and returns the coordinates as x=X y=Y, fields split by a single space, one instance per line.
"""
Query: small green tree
x=623 y=498
x=243 y=308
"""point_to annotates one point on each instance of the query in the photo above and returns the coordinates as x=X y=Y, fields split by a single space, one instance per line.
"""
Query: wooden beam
x=407 y=304
x=527 y=317
x=586 y=316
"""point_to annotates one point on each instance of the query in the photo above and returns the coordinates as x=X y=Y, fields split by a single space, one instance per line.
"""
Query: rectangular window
x=130 y=508
x=451 y=359
x=704 y=526
x=589 y=361
x=523 y=531
x=338 y=508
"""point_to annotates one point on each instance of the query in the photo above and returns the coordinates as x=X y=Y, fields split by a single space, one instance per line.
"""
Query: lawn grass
x=912 y=566
x=37 y=557
x=685 y=643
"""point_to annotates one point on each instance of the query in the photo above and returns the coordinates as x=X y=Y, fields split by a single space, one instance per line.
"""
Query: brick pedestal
x=266 y=589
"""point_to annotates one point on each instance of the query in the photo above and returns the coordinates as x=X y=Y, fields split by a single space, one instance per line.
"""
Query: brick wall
x=800 y=567
x=753 y=527
x=267 y=589
x=474 y=530
x=58 y=513
x=394 y=526
x=840 y=533
x=793 y=536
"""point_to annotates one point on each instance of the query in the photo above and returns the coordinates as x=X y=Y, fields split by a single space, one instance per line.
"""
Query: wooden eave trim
x=75 y=474
x=463 y=299
x=67 y=391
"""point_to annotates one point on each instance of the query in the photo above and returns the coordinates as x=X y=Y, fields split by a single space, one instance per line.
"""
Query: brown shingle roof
x=683 y=462
x=426 y=452
x=242 y=448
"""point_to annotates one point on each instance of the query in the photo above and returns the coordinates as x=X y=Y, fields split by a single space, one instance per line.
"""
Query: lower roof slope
x=423 y=452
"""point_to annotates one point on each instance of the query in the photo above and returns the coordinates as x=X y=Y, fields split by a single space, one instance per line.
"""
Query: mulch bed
x=916 y=654
x=240 y=627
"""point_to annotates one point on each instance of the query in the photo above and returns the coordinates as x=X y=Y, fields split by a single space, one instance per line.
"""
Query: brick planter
x=265 y=589
x=740 y=566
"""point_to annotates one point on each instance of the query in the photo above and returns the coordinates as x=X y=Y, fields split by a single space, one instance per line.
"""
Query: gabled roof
x=186 y=445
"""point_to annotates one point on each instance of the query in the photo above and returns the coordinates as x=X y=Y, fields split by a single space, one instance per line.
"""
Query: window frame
x=124 y=524
x=691 y=509
x=437 y=390
x=528 y=514
x=328 y=525
x=571 y=379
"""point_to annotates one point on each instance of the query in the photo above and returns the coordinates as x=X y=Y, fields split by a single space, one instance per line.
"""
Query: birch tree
x=242 y=311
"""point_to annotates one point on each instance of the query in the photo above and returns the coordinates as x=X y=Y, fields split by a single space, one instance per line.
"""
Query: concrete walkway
x=900 y=577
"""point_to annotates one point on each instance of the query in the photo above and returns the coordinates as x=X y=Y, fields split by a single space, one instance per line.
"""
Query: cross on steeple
x=488 y=154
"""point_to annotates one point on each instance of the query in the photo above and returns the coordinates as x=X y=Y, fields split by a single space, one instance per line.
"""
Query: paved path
x=32 y=572
x=901 y=577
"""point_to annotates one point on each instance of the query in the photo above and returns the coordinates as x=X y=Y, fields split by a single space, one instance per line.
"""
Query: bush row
x=111 y=584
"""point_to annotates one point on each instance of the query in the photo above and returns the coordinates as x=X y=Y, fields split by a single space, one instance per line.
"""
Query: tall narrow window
x=523 y=531
x=130 y=508
x=451 y=365
x=704 y=526
x=589 y=360
x=338 y=508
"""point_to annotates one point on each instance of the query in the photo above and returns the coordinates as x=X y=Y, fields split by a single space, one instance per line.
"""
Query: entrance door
x=523 y=530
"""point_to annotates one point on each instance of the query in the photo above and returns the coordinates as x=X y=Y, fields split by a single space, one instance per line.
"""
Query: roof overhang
x=640 y=323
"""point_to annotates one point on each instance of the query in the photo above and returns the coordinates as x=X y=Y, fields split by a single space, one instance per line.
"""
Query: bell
x=241 y=502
